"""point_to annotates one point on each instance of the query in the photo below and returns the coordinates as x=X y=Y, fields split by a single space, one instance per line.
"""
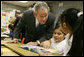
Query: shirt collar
x=37 y=22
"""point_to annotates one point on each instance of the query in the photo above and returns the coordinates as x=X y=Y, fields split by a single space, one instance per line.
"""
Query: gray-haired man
x=30 y=22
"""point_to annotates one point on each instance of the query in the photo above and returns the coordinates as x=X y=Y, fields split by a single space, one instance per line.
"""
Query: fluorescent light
x=23 y=1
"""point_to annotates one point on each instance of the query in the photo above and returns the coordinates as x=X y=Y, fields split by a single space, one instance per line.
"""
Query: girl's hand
x=45 y=44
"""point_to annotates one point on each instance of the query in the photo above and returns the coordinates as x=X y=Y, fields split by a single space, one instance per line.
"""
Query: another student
x=72 y=22
x=18 y=15
x=11 y=28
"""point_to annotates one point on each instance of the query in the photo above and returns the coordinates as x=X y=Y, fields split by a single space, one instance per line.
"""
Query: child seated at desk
x=57 y=42
x=10 y=27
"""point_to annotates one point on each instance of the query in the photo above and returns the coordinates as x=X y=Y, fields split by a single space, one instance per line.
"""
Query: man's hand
x=12 y=41
x=45 y=44
x=32 y=44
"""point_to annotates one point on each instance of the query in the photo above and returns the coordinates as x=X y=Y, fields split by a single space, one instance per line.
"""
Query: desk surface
x=15 y=47
x=7 y=52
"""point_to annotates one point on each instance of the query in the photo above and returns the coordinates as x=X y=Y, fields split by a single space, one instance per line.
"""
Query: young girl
x=58 y=41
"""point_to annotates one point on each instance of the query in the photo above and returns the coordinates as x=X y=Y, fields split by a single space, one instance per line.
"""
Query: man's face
x=42 y=16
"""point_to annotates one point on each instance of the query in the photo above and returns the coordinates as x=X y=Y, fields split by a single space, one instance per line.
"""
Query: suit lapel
x=33 y=24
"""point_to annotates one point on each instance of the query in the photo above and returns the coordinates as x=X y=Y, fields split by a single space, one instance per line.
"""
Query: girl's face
x=58 y=35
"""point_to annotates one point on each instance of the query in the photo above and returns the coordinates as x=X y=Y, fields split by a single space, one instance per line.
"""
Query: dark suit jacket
x=27 y=25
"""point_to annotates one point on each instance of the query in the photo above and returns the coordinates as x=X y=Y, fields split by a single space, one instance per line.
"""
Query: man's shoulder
x=28 y=12
x=51 y=15
x=51 y=18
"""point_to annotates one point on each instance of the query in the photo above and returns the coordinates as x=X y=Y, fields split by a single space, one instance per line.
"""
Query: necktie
x=38 y=27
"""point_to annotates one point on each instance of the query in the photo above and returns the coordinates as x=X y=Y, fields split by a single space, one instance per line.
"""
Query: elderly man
x=37 y=24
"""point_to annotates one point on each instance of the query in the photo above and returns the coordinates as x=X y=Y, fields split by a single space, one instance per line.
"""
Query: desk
x=15 y=47
x=7 y=52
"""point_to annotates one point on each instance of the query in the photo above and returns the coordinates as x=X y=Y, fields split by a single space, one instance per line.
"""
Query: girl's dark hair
x=70 y=17
x=76 y=24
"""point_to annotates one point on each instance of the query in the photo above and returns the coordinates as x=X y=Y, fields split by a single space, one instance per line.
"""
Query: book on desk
x=38 y=49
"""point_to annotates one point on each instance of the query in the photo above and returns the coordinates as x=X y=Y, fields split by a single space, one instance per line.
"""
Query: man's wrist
x=38 y=42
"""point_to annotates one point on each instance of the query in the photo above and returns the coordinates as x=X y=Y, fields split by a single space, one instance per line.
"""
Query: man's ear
x=34 y=14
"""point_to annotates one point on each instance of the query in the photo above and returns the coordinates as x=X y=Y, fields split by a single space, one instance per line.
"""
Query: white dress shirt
x=37 y=23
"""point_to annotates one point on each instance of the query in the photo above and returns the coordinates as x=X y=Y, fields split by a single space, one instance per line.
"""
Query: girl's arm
x=46 y=44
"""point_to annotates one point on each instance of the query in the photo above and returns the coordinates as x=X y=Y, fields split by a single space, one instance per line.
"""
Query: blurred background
x=8 y=9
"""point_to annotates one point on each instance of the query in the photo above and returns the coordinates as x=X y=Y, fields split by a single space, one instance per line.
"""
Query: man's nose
x=56 y=35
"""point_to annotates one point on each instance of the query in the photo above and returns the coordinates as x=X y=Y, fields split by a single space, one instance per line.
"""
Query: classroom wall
x=7 y=6
x=54 y=5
